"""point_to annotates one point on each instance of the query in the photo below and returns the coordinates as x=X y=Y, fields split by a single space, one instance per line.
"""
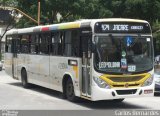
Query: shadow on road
x=40 y=89
x=110 y=105
x=86 y=103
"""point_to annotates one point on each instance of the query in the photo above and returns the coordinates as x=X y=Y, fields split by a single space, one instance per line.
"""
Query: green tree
x=86 y=9
x=69 y=9
x=8 y=3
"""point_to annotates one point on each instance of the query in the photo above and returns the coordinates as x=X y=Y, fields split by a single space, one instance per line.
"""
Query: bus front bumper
x=108 y=94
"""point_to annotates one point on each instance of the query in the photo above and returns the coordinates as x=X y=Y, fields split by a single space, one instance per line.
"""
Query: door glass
x=85 y=68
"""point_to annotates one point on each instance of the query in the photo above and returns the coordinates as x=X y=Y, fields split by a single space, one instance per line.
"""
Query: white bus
x=97 y=59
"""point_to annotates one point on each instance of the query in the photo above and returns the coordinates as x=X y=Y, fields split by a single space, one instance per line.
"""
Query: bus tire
x=70 y=95
x=24 y=81
x=117 y=100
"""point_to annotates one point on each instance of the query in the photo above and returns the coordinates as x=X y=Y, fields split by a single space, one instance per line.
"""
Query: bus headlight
x=148 y=81
x=101 y=83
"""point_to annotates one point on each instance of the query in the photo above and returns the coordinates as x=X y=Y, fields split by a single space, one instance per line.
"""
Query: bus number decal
x=131 y=68
x=62 y=66
x=105 y=27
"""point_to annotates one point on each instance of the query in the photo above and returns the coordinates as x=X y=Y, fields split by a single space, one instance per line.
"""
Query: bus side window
x=67 y=44
x=71 y=44
x=37 y=43
x=34 y=44
x=8 y=44
x=54 y=43
x=75 y=43
x=61 y=43
x=16 y=43
x=25 y=44
x=44 y=43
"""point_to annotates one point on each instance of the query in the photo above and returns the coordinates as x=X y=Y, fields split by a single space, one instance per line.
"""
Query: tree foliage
x=8 y=3
x=87 y=9
x=71 y=10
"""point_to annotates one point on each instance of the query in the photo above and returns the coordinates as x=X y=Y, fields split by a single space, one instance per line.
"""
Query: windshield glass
x=126 y=54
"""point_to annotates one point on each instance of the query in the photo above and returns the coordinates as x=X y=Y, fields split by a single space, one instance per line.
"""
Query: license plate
x=148 y=91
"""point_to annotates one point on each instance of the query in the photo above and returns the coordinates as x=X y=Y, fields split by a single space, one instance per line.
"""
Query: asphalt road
x=14 y=96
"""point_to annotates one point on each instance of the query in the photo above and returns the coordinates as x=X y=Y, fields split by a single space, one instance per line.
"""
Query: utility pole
x=39 y=11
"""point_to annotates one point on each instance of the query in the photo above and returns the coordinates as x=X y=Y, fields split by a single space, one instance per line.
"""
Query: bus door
x=86 y=60
x=14 y=60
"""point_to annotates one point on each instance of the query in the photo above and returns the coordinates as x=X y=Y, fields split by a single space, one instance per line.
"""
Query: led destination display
x=106 y=27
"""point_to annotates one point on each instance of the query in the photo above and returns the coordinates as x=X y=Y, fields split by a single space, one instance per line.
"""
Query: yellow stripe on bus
x=75 y=68
x=69 y=26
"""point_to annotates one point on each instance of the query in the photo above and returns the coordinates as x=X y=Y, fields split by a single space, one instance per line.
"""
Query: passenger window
x=34 y=44
x=67 y=44
x=56 y=46
x=8 y=44
x=25 y=41
x=71 y=44
x=44 y=43
x=75 y=43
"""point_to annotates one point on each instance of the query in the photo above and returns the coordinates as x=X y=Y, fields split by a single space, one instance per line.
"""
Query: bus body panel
x=38 y=69
x=59 y=68
x=8 y=63
x=44 y=71
x=103 y=93
x=49 y=70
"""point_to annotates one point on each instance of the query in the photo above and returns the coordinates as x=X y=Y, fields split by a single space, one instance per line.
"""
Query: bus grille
x=124 y=92
x=129 y=85
x=125 y=79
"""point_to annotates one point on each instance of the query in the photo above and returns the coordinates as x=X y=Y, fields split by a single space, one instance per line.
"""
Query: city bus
x=94 y=59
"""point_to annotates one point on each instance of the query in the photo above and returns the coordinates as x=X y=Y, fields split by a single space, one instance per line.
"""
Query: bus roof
x=70 y=25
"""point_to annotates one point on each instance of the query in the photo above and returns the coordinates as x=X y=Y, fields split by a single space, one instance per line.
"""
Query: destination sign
x=105 y=27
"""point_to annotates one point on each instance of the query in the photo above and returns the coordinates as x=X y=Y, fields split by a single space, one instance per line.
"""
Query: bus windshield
x=127 y=54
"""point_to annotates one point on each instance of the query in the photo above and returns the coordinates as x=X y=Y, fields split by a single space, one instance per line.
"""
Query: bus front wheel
x=25 y=83
x=70 y=91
